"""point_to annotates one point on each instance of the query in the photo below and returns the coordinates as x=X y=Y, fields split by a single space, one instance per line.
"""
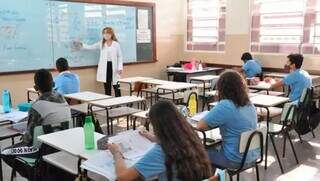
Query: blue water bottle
x=6 y=101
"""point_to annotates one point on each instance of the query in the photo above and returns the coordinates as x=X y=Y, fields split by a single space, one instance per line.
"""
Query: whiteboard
x=34 y=33
x=24 y=43
x=84 y=22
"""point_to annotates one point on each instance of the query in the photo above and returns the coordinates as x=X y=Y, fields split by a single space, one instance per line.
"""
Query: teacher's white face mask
x=107 y=36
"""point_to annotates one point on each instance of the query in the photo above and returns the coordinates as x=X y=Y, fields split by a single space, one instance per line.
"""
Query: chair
x=33 y=166
x=249 y=141
x=287 y=121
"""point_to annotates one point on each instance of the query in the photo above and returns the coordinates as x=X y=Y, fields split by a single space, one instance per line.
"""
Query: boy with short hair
x=251 y=68
x=66 y=82
x=297 y=80
x=49 y=109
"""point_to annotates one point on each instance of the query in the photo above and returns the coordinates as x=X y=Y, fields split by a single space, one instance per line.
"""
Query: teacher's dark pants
x=108 y=84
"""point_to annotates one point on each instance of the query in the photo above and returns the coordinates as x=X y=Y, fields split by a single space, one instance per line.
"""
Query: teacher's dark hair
x=231 y=85
x=62 y=64
x=111 y=31
x=181 y=145
x=43 y=81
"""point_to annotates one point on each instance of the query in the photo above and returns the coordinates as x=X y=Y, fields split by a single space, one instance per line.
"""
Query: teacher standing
x=110 y=63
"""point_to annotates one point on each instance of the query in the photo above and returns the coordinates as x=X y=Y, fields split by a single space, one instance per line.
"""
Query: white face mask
x=107 y=36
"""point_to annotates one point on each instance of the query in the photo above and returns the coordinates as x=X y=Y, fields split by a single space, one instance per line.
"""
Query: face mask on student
x=107 y=36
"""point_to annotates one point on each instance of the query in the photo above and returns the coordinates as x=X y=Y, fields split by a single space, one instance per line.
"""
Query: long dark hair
x=111 y=31
x=181 y=145
x=231 y=85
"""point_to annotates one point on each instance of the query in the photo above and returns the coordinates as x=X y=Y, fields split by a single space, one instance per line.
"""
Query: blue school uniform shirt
x=232 y=122
x=297 y=81
x=252 y=68
x=153 y=164
x=67 y=83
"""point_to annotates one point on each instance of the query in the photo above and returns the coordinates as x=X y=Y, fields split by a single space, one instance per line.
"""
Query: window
x=285 y=26
x=206 y=25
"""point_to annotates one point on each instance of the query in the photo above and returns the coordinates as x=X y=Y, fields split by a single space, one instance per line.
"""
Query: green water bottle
x=88 y=128
x=192 y=105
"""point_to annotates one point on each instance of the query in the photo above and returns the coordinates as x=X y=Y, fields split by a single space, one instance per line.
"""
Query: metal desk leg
x=266 y=151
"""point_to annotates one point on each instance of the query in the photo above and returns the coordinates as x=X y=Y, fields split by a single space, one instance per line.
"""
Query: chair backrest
x=46 y=129
x=253 y=139
x=305 y=98
x=288 y=113
x=187 y=98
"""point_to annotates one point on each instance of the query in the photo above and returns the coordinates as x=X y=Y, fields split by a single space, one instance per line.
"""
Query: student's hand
x=113 y=148
x=268 y=79
x=76 y=45
x=144 y=133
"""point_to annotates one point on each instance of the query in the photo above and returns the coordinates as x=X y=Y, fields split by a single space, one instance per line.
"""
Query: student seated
x=66 y=82
x=251 y=68
x=297 y=80
x=177 y=155
x=234 y=114
x=49 y=108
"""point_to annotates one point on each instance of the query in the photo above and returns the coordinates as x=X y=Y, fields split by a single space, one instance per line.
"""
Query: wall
x=168 y=18
x=238 y=22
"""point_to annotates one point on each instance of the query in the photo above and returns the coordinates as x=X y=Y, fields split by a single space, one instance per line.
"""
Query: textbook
x=132 y=145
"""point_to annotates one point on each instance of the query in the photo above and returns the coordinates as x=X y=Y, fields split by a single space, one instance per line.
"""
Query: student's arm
x=274 y=83
x=94 y=46
x=149 y=136
x=34 y=119
x=216 y=117
x=123 y=173
x=202 y=126
x=120 y=59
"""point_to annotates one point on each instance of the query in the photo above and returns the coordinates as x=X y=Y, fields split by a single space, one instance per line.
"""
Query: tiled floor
x=308 y=154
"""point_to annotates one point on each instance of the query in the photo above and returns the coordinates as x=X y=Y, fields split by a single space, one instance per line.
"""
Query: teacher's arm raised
x=78 y=45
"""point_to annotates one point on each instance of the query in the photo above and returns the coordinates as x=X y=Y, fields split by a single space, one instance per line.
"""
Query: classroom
x=159 y=90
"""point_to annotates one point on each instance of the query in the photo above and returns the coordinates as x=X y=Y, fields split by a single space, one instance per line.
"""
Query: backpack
x=308 y=117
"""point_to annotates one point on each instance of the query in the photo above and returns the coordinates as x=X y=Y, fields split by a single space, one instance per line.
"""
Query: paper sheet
x=143 y=19
x=103 y=164
x=143 y=36
x=132 y=144
x=14 y=116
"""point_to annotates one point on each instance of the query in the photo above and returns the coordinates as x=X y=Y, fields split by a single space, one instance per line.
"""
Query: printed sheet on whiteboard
x=143 y=36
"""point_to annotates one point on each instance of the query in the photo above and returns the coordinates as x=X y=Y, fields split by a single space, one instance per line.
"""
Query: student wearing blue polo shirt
x=234 y=114
x=251 y=67
x=177 y=155
x=297 y=80
x=66 y=82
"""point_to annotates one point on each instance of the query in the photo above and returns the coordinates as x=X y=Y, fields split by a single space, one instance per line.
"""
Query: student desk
x=173 y=88
x=71 y=141
x=153 y=90
x=131 y=80
x=315 y=78
x=266 y=102
x=186 y=74
x=86 y=96
x=112 y=112
x=205 y=80
x=31 y=91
